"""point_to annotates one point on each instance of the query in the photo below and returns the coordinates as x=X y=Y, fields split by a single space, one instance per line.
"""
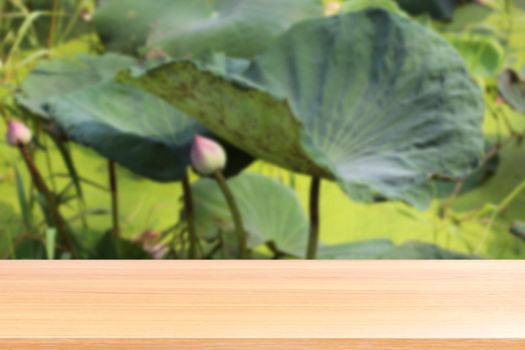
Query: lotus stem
x=41 y=186
x=49 y=165
x=190 y=219
x=236 y=214
x=313 y=238
x=54 y=19
x=114 y=198
x=73 y=174
x=508 y=6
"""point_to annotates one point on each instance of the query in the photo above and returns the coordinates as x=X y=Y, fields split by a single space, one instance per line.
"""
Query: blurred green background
x=475 y=223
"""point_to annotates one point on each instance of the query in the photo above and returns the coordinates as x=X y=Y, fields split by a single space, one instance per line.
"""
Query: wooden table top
x=262 y=304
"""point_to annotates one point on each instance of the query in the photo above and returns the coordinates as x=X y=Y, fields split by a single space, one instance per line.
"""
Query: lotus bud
x=17 y=133
x=150 y=241
x=86 y=15
x=332 y=8
x=207 y=156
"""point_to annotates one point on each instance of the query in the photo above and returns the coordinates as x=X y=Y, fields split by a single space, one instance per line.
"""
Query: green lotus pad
x=369 y=99
x=131 y=126
x=184 y=28
x=385 y=249
x=271 y=212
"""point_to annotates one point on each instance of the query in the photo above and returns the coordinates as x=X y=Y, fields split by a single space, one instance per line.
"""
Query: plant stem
x=73 y=174
x=73 y=21
x=313 y=238
x=504 y=204
x=114 y=198
x=53 y=26
x=188 y=208
x=50 y=166
x=41 y=186
x=508 y=13
x=236 y=215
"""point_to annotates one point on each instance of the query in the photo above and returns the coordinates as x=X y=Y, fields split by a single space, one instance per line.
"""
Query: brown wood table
x=303 y=305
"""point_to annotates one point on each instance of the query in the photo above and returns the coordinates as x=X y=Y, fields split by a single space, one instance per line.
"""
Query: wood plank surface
x=262 y=304
x=261 y=344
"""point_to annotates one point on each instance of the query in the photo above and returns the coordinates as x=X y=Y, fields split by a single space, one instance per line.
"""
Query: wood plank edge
x=262 y=344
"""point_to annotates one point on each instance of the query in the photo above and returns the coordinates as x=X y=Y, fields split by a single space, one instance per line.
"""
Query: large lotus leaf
x=512 y=88
x=191 y=27
x=60 y=77
x=375 y=101
x=372 y=249
x=384 y=249
x=483 y=55
x=271 y=212
x=137 y=129
x=421 y=250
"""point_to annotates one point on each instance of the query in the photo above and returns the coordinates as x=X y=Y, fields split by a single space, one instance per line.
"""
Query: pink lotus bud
x=207 y=156
x=157 y=251
x=86 y=15
x=485 y=2
x=150 y=242
x=332 y=8
x=17 y=133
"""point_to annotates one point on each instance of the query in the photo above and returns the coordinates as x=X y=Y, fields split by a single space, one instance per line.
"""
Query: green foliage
x=409 y=112
x=29 y=248
x=271 y=212
x=45 y=22
x=518 y=229
x=372 y=249
x=132 y=127
x=483 y=55
x=25 y=206
x=359 y=5
x=438 y=9
x=376 y=102
x=192 y=27
x=418 y=250
x=470 y=16
x=109 y=247
x=384 y=249
x=512 y=88
x=480 y=176
x=52 y=79
x=51 y=234
x=8 y=224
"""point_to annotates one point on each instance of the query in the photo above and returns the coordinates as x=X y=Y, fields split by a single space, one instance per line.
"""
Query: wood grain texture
x=262 y=305
x=261 y=344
